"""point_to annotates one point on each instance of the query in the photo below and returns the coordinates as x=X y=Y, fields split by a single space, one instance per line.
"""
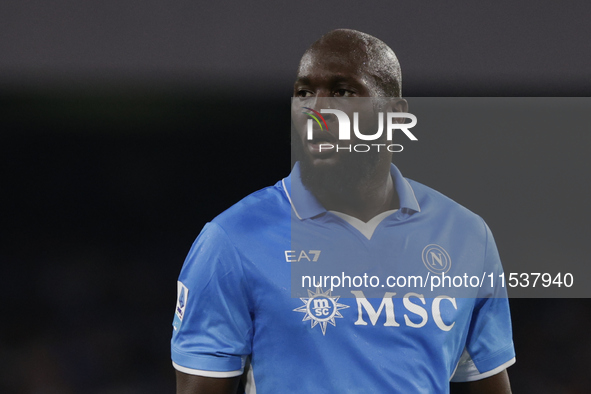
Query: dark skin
x=332 y=71
x=192 y=384
x=335 y=69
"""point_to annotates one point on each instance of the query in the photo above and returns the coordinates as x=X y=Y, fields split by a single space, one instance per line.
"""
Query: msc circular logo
x=436 y=259
x=322 y=308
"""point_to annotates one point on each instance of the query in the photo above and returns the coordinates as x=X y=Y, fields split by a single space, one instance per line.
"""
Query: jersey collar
x=306 y=206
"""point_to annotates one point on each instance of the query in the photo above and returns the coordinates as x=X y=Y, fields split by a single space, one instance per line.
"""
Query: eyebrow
x=304 y=80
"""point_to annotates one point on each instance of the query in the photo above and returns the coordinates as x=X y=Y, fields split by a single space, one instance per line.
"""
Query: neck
x=369 y=199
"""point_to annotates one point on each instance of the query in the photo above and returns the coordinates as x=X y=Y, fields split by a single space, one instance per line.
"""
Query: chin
x=342 y=174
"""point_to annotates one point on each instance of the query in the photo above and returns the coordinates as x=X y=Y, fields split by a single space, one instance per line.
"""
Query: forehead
x=330 y=63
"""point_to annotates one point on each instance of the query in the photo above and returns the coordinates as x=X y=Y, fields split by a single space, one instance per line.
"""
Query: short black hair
x=382 y=63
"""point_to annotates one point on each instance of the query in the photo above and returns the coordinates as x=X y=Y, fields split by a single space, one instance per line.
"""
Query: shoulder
x=256 y=211
x=239 y=229
x=435 y=206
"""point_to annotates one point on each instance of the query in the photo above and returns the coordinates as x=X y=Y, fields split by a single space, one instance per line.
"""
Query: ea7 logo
x=345 y=124
x=291 y=256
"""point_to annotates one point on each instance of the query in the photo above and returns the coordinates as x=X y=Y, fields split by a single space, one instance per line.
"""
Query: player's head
x=359 y=57
x=343 y=63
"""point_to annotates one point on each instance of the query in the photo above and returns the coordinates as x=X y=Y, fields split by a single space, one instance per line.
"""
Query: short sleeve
x=212 y=325
x=489 y=345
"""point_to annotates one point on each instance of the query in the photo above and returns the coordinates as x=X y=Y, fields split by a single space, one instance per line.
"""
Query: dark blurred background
x=117 y=145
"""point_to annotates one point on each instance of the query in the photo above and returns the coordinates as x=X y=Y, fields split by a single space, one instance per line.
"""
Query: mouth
x=322 y=144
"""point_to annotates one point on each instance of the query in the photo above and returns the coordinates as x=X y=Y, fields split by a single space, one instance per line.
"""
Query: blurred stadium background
x=116 y=146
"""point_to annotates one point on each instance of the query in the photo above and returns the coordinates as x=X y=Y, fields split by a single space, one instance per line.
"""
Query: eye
x=343 y=93
x=304 y=93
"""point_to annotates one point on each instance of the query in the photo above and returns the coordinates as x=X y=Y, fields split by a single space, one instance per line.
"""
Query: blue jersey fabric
x=235 y=301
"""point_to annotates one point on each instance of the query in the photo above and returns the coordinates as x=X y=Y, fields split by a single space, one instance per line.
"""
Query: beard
x=352 y=174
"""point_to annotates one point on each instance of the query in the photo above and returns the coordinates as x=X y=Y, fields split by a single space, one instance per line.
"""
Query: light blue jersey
x=235 y=306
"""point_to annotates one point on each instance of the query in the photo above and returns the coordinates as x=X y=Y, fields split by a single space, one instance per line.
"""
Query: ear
x=397 y=104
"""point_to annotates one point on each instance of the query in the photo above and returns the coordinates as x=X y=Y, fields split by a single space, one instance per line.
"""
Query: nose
x=324 y=101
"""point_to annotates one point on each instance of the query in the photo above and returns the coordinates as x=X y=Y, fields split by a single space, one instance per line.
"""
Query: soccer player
x=236 y=317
